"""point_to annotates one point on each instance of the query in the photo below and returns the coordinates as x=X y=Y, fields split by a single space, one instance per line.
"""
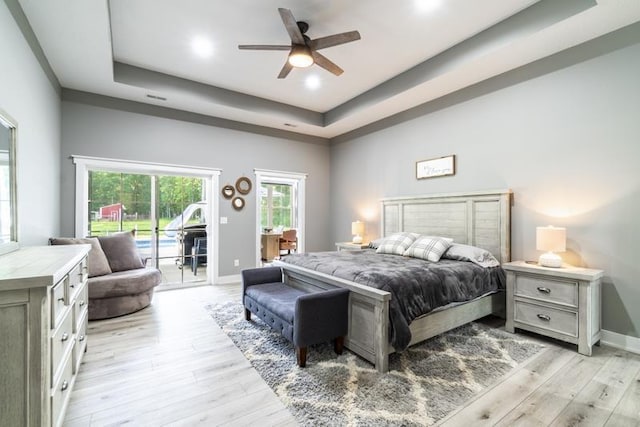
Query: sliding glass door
x=167 y=215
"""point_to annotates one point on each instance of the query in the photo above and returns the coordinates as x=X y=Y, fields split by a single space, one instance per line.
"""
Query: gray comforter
x=417 y=287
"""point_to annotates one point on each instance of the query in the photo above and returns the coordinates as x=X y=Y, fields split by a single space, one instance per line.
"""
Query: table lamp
x=551 y=239
x=357 y=229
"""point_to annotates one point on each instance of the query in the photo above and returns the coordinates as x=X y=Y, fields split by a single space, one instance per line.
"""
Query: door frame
x=271 y=176
x=84 y=164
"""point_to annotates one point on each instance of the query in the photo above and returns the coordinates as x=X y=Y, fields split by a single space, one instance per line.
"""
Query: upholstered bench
x=301 y=317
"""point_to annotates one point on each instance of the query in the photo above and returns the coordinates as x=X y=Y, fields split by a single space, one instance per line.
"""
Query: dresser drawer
x=61 y=392
x=562 y=292
x=81 y=343
x=61 y=341
x=80 y=306
x=76 y=279
x=551 y=319
x=58 y=302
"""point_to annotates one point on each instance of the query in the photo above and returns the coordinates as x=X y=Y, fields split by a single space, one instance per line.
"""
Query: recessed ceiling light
x=202 y=47
x=426 y=6
x=312 y=82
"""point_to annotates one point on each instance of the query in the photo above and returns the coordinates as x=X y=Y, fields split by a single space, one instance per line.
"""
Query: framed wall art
x=440 y=166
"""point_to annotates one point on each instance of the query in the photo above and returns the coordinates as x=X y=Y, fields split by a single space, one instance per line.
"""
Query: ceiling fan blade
x=325 y=63
x=285 y=70
x=291 y=25
x=334 y=40
x=263 y=47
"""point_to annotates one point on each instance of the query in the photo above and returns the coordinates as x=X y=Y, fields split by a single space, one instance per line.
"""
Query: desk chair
x=289 y=241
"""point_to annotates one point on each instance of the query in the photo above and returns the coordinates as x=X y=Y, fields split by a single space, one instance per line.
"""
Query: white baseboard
x=623 y=342
x=225 y=280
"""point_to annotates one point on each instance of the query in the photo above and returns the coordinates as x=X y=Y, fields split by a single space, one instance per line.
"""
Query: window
x=280 y=203
x=277 y=206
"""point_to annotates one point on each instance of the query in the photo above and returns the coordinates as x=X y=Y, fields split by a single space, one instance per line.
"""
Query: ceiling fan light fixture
x=300 y=57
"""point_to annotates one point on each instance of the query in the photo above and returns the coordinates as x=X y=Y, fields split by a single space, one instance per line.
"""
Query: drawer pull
x=65 y=385
x=64 y=337
x=544 y=290
x=72 y=286
x=544 y=317
x=61 y=299
x=81 y=303
x=81 y=338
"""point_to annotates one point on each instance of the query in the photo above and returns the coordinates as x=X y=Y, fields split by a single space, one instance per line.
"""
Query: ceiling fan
x=303 y=50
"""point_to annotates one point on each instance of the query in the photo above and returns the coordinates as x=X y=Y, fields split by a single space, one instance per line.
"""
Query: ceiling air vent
x=160 y=98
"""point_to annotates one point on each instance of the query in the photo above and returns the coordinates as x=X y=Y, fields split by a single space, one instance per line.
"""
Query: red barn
x=112 y=212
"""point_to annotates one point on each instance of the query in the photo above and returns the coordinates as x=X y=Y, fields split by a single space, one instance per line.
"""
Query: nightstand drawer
x=560 y=321
x=563 y=292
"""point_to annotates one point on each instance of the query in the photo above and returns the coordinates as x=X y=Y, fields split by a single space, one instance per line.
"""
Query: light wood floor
x=170 y=364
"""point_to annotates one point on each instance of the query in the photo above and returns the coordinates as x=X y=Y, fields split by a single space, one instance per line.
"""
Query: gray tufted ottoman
x=302 y=318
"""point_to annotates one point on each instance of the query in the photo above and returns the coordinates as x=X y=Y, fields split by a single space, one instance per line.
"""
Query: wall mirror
x=243 y=185
x=237 y=203
x=228 y=191
x=8 y=205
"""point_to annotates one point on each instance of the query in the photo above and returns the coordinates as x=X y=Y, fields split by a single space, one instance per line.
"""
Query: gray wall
x=92 y=130
x=564 y=139
x=32 y=100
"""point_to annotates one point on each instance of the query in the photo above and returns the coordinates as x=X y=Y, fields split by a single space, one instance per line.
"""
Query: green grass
x=104 y=227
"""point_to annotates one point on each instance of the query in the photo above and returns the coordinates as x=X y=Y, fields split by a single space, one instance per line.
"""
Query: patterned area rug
x=423 y=385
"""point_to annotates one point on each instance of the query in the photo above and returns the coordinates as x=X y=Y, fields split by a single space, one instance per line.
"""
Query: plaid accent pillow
x=430 y=248
x=397 y=243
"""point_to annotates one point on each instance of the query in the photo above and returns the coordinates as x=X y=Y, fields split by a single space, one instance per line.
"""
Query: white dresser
x=43 y=323
x=563 y=303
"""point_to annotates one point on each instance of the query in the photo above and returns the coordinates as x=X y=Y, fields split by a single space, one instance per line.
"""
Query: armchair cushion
x=123 y=283
x=121 y=251
x=96 y=260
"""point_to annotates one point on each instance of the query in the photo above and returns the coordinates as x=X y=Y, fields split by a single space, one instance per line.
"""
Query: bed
x=480 y=219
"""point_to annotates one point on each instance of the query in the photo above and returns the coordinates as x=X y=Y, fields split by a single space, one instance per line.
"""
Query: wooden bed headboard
x=480 y=218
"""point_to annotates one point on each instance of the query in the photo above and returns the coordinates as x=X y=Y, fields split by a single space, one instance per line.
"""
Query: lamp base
x=550 y=259
x=357 y=239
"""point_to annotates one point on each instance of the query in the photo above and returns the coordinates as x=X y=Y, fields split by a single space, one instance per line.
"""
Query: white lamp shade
x=357 y=229
x=551 y=239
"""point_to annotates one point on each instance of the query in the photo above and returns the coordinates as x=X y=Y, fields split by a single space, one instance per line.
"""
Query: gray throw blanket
x=417 y=286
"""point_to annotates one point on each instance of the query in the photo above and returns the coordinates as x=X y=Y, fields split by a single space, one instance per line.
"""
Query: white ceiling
x=411 y=52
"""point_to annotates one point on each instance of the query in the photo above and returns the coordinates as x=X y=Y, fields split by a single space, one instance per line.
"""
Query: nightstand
x=562 y=303
x=350 y=246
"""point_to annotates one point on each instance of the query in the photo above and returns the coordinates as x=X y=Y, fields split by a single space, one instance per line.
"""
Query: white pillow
x=430 y=248
x=470 y=253
x=397 y=243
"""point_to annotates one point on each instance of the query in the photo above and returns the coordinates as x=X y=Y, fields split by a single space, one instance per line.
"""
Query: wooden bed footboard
x=368 y=334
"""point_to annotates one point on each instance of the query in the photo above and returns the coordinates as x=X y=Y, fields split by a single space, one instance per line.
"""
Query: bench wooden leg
x=301 y=353
x=247 y=314
x=338 y=345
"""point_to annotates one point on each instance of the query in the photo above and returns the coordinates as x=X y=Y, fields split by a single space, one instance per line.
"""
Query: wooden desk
x=270 y=243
